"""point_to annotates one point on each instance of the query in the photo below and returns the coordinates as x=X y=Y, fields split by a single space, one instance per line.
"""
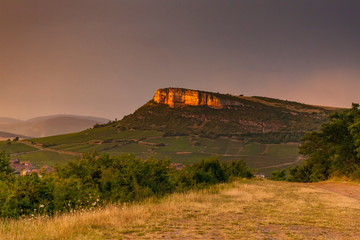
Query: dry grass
x=239 y=210
x=290 y=106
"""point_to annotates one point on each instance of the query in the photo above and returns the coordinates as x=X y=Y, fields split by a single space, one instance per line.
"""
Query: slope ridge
x=178 y=111
x=265 y=132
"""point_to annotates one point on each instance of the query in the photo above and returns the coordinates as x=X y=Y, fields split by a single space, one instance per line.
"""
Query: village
x=27 y=168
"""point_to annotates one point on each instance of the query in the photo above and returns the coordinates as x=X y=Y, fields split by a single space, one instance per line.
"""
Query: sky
x=106 y=58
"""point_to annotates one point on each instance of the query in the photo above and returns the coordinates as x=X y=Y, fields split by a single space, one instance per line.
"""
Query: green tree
x=95 y=180
x=210 y=170
x=278 y=175
x=238 y=168
x=332 y=151
x=5 y=169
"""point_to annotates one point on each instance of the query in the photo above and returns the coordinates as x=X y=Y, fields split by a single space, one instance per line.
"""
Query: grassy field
x=42 y=158
x=184 y=149
x=245 y=209
x=15 y=147
x=103 y=133
x=145 y=144
x=281 y=150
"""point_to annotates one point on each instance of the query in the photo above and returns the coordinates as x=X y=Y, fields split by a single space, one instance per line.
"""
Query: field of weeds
x=244 y=209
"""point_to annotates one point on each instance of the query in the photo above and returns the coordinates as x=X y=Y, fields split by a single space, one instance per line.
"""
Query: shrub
x=334 y=151
x=5 y=169
x=95 y=180
x=238 y=168
x=278 y=175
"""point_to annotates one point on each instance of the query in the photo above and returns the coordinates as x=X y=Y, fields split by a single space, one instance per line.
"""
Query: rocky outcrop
x=177 y=97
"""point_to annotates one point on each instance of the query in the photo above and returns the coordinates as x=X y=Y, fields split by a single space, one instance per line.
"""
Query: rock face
x=177 y=97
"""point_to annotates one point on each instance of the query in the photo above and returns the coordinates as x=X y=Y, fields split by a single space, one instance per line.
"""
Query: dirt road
x=346 y=189
x=41 y=148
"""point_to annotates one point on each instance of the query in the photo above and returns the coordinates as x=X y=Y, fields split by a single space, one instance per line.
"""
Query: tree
x=5 y=168
x=278 y=175
x=332 y=151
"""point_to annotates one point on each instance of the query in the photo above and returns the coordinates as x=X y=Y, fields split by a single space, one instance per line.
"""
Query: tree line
x=92 y=181
x=333 y=151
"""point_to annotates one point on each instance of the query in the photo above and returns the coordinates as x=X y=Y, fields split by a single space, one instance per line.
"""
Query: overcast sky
x=106 y=58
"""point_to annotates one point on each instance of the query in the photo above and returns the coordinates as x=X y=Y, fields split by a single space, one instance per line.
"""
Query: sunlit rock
x=177 y=97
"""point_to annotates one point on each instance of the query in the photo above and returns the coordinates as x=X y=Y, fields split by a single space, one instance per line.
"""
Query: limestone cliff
x=177 y=97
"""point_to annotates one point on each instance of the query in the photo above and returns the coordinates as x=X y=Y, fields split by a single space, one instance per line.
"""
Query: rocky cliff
x=177 y=97
x=174 y=112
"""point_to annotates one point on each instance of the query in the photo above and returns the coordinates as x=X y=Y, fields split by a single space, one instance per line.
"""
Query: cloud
x=106 y=59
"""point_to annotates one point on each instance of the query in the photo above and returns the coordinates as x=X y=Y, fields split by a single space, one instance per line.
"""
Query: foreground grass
x=241 y=210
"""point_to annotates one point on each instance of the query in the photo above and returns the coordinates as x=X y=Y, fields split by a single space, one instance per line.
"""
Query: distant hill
x=43 y=118
x=188 y=125
x=8 y=120
x=5 y=136
x=49 y=125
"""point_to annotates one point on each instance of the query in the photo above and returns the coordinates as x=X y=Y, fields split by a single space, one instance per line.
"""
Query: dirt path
x=345 y=189
x=41 y=148
x=22 y=153
x=298 y=160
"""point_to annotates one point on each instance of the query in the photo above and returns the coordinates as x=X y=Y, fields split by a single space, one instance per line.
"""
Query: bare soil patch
x=346 y=189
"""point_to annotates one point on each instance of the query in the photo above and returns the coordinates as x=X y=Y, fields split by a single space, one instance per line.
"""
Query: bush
x=238 y=168
x=278 y=175
x=210 y=170
x=334 y=151
x=96 y=180
x=5 y=169
x=356 y=175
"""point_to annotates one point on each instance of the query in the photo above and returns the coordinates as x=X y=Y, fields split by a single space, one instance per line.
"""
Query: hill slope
x=49 y=125
x=177 y=111
x=5 y=136
x=262 y=131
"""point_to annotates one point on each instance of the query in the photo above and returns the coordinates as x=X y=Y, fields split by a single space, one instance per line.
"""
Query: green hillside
x=264 y=132
x=15 y=147
x=185 y=149
x=255 y=120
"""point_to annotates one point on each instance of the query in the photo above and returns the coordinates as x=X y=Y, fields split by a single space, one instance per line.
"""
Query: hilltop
x=188 y=125
x=178 y=111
